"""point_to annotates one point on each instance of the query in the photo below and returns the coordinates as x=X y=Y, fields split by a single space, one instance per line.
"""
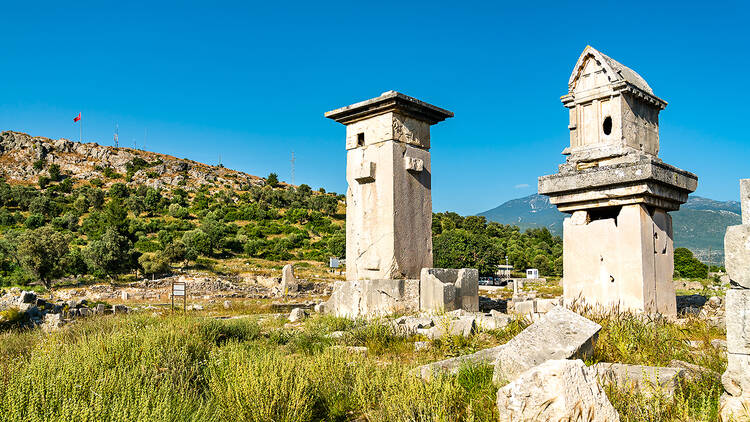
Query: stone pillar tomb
x=617 y=244
x=389 y=213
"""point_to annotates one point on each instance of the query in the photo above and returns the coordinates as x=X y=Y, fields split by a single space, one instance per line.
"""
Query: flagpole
x=80 y=129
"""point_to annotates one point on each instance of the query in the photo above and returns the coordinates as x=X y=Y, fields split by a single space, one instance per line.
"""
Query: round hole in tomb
x=607 y=125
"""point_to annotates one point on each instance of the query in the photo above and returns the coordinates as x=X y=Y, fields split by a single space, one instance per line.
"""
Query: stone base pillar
x=627 y=259
x=736 y=380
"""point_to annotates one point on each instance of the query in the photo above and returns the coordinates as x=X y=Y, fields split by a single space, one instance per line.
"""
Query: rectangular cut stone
x=443 y=289
x=559 y=334
x=736 y=379
x=628 y=266
x=738 y=321
x=737 y=254
x=647 y=180
x=356 y=298
x=646 y=379
x=745 y=200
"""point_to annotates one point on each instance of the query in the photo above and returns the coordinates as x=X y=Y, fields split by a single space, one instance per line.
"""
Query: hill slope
x=87 y=161
x=699 y=225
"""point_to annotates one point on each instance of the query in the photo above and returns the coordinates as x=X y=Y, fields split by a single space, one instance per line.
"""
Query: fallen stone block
x=412 y=324
x=297 y=314
x=446 y=289
x=452 y=365
x=492 y=322
x=525 y=307
x=648 y=379
x=545 y=305
x=735 y=409
x=557 y=390
x=27 y=297
x=692 y=371
x=120 y=309
x=558 y=334
x=463 y=326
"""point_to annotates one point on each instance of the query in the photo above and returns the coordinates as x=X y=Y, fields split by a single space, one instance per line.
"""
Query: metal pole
x=171 y=294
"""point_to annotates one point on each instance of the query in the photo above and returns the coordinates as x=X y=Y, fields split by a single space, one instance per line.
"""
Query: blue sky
x=250 y=82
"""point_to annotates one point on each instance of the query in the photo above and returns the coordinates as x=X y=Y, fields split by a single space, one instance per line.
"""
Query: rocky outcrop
x=86 y=161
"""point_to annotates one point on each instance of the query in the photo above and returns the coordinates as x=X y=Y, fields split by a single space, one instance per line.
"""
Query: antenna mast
x=292 y=161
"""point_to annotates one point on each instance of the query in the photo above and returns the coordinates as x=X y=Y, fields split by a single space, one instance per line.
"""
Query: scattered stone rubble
x=49 y=314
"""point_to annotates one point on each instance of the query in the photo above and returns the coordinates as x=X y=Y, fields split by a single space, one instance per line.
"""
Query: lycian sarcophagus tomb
x=618 y=244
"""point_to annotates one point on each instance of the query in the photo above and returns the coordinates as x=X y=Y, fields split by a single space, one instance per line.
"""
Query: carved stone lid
x=387 y=102
x=619 y=75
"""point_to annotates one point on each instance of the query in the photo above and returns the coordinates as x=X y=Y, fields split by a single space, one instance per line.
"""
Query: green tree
x=111 y=254
x=153 y=263
x=272 y=180
x=688 y=266
x=54 y=172
x=196 y=243
x=41 y=252
x=460 y=248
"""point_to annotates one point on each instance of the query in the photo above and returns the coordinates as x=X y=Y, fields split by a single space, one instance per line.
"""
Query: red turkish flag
x=77 y=118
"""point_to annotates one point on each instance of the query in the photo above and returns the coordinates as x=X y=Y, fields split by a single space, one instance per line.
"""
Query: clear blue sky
x=250 y=82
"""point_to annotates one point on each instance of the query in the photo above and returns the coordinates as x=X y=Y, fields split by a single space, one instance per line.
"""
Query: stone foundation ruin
x=617 y=245
x=389 y=213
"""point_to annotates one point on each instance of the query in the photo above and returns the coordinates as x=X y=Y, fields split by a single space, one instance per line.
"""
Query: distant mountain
x=699 y=225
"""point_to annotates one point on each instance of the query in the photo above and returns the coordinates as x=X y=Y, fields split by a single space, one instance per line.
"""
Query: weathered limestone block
x=452 y=365
x=297 y=314
x=646 y=181
x=627 y=262
x=648 y=379
x=559 y=334
x=463 y=327
x=738 y=321
x=373 y=297
x=443 y=289
x=289 y=283
x=745 y=200
x=737 y=254
x=734 y=409
x=736 y=379
x=556 y=390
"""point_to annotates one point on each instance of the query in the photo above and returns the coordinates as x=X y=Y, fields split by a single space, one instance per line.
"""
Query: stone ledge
x=647 y=181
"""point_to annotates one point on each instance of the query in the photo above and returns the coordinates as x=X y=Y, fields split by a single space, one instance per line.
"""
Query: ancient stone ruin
x=617 y=244
x=736 y=379
x=389 y=212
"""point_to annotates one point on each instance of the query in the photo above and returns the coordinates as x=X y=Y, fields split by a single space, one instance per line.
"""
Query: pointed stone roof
x=614 y=69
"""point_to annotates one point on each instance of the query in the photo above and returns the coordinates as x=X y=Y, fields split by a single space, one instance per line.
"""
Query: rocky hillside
x=24 y=158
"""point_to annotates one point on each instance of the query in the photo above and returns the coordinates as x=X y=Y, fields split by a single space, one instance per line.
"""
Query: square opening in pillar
x=604 y=213
x=360 y=139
